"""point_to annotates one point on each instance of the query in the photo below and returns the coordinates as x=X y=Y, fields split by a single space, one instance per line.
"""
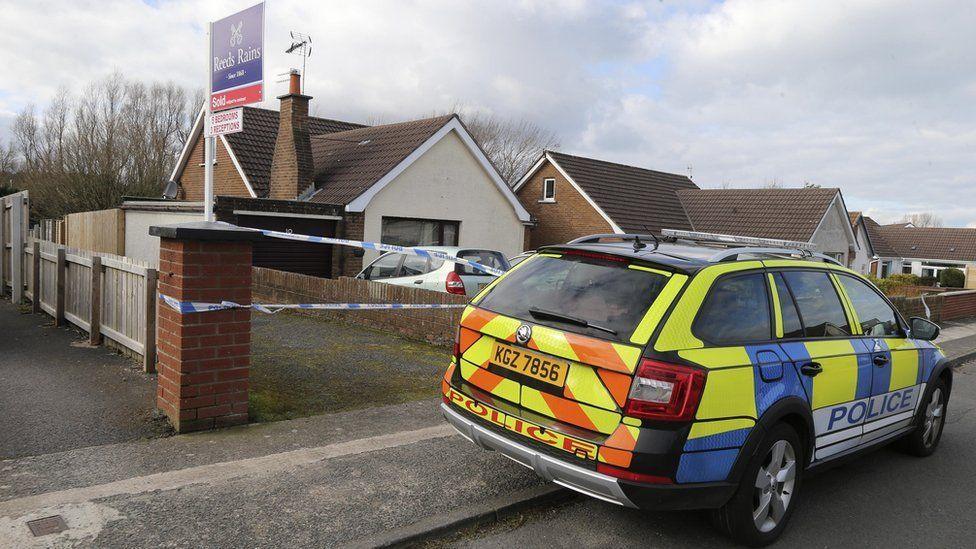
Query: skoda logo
x=523 y=334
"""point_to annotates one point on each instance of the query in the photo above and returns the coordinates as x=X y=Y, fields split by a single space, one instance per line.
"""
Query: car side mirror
x=923 y=329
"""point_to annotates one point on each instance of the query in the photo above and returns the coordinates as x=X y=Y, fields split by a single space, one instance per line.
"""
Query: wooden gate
x=14 y=225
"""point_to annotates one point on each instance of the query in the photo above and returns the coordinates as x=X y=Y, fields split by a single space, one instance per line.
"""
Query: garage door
x=288 y=255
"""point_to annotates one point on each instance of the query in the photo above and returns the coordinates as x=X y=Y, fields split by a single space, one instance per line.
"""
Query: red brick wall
x=569 y=217
x=227 y=180
x=958 y=305
x=434 y=326
x=204 y=358
x=344 y=260
x=291 y=167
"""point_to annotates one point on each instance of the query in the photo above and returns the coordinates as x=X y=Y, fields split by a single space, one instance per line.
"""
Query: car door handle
x=811 y=369
x=418 y=281
x=880 y=361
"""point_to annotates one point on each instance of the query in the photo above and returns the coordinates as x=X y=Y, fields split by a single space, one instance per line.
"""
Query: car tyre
x=923 y=441
x=761 y=507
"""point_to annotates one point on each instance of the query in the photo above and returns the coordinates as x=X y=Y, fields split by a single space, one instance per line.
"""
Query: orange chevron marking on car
x=467 y=337
x=617 y=384
x=568 y=411
x=445 y=383
x=475 y=318
x=613 y=456
x=484 y=379
x=623 y=438
x=493 y=383
x=620 y=358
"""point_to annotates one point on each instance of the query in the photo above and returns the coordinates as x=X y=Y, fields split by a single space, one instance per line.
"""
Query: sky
x=877 y=98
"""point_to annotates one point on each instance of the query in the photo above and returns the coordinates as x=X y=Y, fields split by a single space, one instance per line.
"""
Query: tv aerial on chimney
x=301 y=44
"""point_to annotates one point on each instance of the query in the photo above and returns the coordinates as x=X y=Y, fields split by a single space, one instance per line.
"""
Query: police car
x=692 y=371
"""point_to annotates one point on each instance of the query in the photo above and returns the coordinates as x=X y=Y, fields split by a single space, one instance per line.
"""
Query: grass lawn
x=303 y=366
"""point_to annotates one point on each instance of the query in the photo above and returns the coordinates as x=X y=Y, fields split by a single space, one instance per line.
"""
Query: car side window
x=384 y=267
x=735 y=311
x=413 y=265
x=818 y=303
x=792 y=327
x=875 y=315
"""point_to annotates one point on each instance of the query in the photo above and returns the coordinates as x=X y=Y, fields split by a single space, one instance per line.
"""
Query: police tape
x=184 y=307
x=379 y=246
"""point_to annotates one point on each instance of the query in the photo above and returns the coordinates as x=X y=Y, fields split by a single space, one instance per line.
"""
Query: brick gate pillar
x=204 y=358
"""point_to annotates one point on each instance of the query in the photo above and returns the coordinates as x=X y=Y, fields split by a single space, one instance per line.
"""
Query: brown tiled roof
x=347 y=163
x=879 y=243
x=788 y=214
x=254 y=146
x=947 y=244
x=636 y=199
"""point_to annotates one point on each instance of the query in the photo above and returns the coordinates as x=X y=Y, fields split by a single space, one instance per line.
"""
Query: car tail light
x=454 y=283
x=665 y=392
x=624 y=474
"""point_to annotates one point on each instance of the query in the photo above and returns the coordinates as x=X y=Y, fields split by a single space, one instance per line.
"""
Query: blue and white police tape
x=379 y=246
x=184 y=307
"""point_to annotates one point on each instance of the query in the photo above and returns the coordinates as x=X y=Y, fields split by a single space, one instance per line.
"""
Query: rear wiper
x=542 y=313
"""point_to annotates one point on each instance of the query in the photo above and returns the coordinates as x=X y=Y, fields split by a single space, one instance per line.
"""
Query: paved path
x=314 y=482
x=56 y=395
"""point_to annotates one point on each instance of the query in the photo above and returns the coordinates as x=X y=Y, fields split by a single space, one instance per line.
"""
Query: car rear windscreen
x=487 y=258
x=607 y=294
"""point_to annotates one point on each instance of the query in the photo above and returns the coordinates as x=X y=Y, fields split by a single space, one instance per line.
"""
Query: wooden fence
x=103 y=294
x=99 y=231
x=14 y=210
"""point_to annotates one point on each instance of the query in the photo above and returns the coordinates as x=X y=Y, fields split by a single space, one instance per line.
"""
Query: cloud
x=871 y=97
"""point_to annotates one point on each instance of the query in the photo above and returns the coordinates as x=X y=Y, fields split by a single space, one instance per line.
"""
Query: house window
x=549 y=190
x=906 y=268
x=404 y=231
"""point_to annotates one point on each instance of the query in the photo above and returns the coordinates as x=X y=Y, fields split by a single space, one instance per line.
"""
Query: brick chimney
x=291 y=167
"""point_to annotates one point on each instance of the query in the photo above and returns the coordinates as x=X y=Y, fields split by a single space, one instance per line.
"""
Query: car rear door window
x=792 y=327
x=818 y=303
x=875 y=315
x=735 y=311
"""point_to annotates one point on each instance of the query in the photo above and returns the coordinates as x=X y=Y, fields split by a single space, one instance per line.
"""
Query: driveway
x=57 y=393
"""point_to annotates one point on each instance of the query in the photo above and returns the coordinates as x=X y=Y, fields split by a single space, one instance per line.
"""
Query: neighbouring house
x=864 y=259
x=922 y=251
x=420 y=182
x=571 y=196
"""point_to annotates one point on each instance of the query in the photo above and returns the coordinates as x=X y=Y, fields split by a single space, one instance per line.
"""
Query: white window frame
x=546 y=184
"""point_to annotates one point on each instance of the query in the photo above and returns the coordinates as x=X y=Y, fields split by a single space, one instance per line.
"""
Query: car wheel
x=931 y=419
x=758 y=512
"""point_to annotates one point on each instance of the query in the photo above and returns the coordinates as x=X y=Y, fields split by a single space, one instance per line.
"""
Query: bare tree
x=117 y=138
x=923 y=219
x=512 y=144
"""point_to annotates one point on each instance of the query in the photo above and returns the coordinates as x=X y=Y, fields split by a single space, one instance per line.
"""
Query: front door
x=893 y=359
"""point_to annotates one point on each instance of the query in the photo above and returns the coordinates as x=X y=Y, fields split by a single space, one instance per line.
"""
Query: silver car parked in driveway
x=435 y=274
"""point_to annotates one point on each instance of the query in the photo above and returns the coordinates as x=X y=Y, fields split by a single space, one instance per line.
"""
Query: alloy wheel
x=774 y=486
x=934 y=413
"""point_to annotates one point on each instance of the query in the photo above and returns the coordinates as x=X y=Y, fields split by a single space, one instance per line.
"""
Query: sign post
x=235 y=77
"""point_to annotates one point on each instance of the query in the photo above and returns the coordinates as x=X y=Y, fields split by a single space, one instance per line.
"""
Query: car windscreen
x=487 y=258
x=561 y=291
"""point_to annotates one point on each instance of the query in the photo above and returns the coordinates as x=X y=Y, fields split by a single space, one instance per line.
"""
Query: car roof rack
x=637 y=239
x=751 y=245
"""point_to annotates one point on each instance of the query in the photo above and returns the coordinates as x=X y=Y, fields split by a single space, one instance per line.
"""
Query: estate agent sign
x=237 y=59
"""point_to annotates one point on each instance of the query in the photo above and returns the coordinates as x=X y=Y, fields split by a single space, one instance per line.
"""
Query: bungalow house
x=571 y=196
x=420 y=182
x=922 y=251
x=864 y=260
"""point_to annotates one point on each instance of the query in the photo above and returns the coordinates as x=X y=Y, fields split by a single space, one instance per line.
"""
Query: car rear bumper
x=565 y=474
x=592 y=483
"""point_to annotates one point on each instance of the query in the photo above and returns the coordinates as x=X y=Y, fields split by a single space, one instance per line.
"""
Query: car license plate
x=544 y=368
